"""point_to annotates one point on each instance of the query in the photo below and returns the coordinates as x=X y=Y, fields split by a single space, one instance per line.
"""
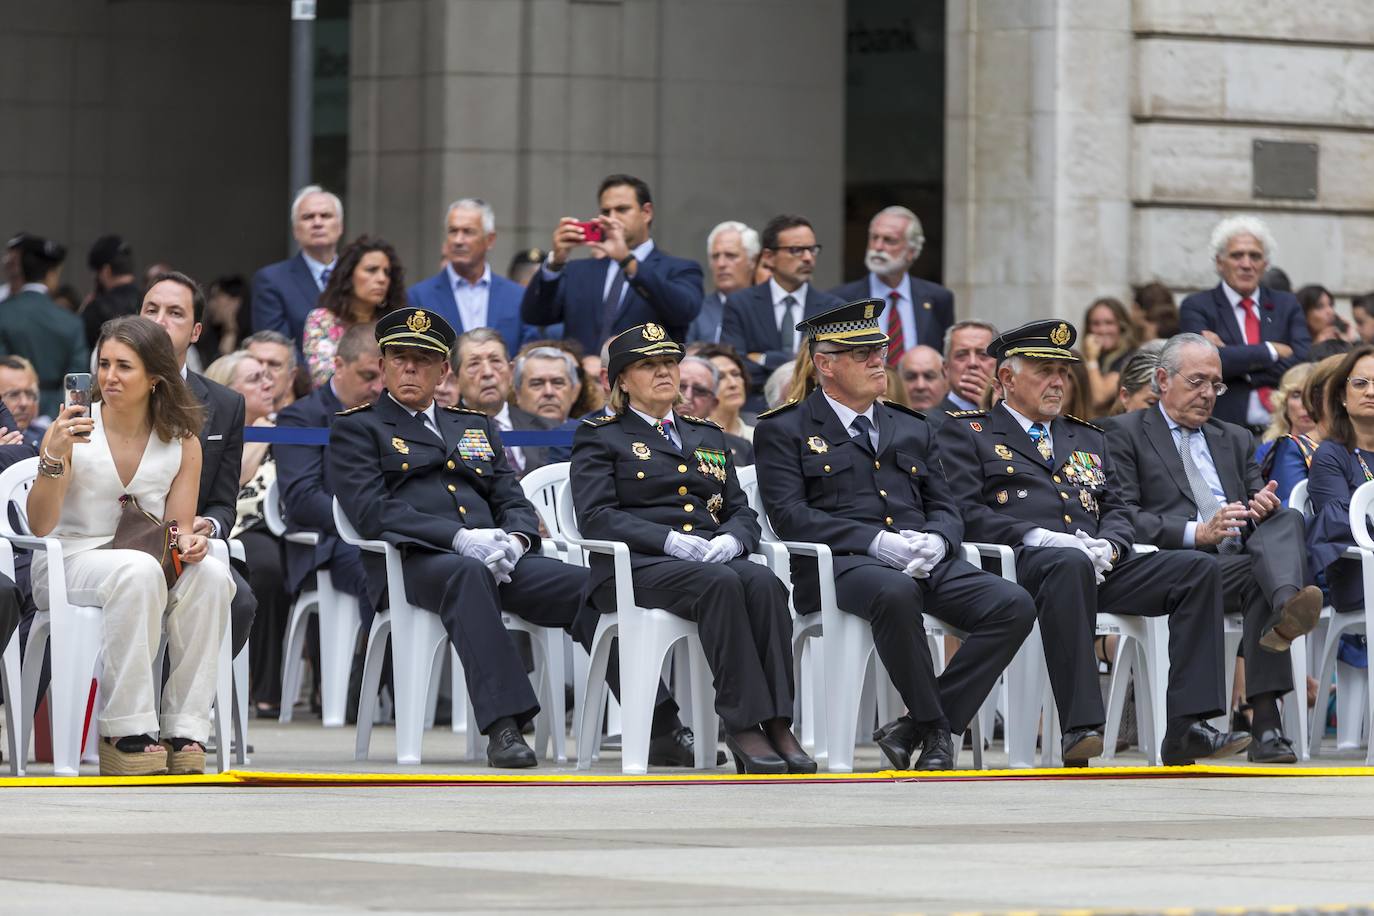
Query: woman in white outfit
x=139 y=438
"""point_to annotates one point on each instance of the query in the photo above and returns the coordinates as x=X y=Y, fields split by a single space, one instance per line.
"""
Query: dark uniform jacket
x=306 y=492
x=398 y=483
x=1004 y=488
x=820 y=484
x=631 y=484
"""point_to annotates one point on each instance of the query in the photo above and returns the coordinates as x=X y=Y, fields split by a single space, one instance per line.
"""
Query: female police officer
x=664 y=483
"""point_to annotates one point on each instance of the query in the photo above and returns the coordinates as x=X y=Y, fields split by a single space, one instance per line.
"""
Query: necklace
x=1364 y=467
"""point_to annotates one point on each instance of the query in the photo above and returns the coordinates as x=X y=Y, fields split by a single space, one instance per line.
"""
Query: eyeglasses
x=695 y=391
x=860 y=354
x=20 y=394
x=1196 y=383
x=797 y=251
x=1357 y=383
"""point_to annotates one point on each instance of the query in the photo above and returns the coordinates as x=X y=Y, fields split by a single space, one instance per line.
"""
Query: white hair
x=1233 y=226
x=748 y=238
x=569 y=363
x=1171 y=355
x=473 y=203
x=309 y=189
x=915 y=232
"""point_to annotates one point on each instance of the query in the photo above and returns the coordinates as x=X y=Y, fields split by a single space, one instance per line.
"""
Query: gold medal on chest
x=640 y=451
x=1002 y=452
x=399 y=445
x=818 y=445
x=713 y=506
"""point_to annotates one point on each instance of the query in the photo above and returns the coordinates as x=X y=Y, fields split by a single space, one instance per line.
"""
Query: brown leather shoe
x=1297 y=617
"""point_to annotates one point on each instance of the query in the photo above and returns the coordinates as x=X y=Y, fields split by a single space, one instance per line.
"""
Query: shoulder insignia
x=905 y=409
x=958 y=414
x=601 y=420
x=454 y=409
x=344 y=413
x=779 y=409
x=703 y=422
x=1068 y=416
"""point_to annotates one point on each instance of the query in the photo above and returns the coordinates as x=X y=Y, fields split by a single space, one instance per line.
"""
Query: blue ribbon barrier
x=319 y=435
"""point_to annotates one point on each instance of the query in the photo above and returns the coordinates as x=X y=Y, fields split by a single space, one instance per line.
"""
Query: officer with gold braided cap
x=863 y=477
x=664 y=483
x=434 y=481
x=1029 y=476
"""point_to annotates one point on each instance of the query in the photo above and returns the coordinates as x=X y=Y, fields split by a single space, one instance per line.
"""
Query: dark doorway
x=895 y=123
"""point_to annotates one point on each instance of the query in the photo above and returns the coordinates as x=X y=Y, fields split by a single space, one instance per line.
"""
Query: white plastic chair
x=1340 y=624
x=338 y=620
x=17 y=715
x=646 y=636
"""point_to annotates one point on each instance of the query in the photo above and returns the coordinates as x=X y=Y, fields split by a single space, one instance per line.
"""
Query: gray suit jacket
x=706 y=326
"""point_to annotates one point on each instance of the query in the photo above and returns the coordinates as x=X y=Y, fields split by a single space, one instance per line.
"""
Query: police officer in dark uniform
x=435 y=482
x=863 y=476
x=1028 y=476
x=664 y=483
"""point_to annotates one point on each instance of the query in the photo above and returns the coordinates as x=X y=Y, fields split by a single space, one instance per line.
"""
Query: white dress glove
x=686 y=546
x=893 y=549
x=1041 y=537
x=1101 y=549
x=488 y=546
x=929 y=552
x=724 y=548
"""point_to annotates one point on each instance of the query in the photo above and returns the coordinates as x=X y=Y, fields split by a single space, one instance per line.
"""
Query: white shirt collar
x=654 y=421
x=1025 y=421
x=780 y=294
x=1234 y=297
x=428 y=412
x=316 y=268
x=35 y=288
x=880 y=290
x=502 y=418
x=847 y=414
x=643 y=250
x=456 y=280
x=958 y=401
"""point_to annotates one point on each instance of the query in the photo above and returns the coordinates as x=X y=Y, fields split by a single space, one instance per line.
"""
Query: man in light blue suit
x=632 y=282
x=285 y=292
x=733 y=251
x=466 y=292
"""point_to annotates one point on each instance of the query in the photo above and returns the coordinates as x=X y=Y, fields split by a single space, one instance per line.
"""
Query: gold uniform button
x=405 y=466
x=687 y=527
x=452 y=488
x=877 y=465
x=913 y=469
x=681 y=491
x=688 y=508
x=682 y=469
x=462 y=510
x=882 y=493
x=1063 y=495
x=1068 y=519
x=640 y=475
x=1012 y=470
x=451 y=465
x=1056 y=478
x=827 y=469
x=479 y=471
x=889 y=520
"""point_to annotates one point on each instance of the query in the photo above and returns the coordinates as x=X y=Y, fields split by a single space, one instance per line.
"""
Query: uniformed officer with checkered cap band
x=1027 y=475
x=435 y=482
x=664 y=483
x=863 y=476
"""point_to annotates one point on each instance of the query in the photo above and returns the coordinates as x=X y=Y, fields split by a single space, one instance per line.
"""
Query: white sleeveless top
x=90 y=510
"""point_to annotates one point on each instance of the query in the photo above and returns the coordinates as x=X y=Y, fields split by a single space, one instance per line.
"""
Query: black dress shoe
x=1270 y=746
x=755 y=763
x=1079 y=745
x=898 y=740
x=506 y=748
x=797 y=760
x=677 y=748
x=1186 y=741
x=1297 y=617
x=937 y=750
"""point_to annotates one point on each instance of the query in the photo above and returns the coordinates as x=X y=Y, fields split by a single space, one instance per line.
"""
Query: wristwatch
x=625 y=261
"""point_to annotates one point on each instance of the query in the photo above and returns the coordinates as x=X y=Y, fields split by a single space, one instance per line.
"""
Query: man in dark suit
x=285 y=292
x=546 y=382
x=760 y=321
x=466 y=292
x=632 y=283
x=1260 y=332
x=918 y=311
x=1042 y=482
x=435 y=482
x=35 y=327
x=483 y=371
x=864 y=477
x=733 y=251
x=306 y=491
x=19 y=394
x=969 y=368
x=1192 y=483
x=177 y=303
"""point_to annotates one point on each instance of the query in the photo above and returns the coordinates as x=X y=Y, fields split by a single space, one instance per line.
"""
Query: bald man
x=923 y=374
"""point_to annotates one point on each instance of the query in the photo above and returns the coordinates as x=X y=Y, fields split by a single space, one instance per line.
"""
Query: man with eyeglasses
x=761 y=321
x=864 y=477
x=1192 y=483
x=1027 y=475
x=1260 y=332
x=19 y=392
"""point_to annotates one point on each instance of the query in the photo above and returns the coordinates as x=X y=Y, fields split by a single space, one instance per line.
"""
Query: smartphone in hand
x=77 y=390
x=591 y=231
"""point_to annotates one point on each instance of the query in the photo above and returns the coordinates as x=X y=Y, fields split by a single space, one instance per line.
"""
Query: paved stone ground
x=870 y=847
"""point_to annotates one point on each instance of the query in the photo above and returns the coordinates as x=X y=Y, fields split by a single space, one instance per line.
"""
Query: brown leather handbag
x=140 y=530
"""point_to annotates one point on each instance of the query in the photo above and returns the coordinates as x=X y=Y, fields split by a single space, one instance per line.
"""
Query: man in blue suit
x=631 y=283
x=1260 y=332
x=760 y=321
x=285 y=292
x=918 y=311
x=466 y=293
x=306 y=491
x=733 y=251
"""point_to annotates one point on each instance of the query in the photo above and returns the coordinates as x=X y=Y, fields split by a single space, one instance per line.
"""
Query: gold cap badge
x=653 y=333
x=418 y=322
x=1060 y=335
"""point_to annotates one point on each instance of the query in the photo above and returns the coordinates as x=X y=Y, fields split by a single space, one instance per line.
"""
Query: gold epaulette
x=779 y=409
x=1084 y=422
x=464 y=410
x=344 y=413
x=601 y=420
x=702 y=421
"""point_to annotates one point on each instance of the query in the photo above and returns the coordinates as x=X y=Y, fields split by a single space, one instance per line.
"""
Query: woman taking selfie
x=664 y=484
x=138 y=439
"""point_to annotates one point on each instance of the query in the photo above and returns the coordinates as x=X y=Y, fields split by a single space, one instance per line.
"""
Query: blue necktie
x=863 y=431
x=612 y=303
x=324 y=276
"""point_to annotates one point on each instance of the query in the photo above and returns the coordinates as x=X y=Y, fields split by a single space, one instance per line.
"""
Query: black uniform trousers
x=1184 y=584
x=462 y=591
x=740 y=609
x=1275 y=556
x=996 y=614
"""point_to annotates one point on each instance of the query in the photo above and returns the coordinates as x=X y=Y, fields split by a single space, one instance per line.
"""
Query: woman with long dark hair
x=367 y=282
x=138 y=439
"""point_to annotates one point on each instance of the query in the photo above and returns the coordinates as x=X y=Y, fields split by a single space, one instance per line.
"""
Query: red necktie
x=897 y=345
x=1252 y=336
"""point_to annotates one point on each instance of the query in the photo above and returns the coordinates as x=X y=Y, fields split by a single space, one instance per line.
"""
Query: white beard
x=883 y=264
